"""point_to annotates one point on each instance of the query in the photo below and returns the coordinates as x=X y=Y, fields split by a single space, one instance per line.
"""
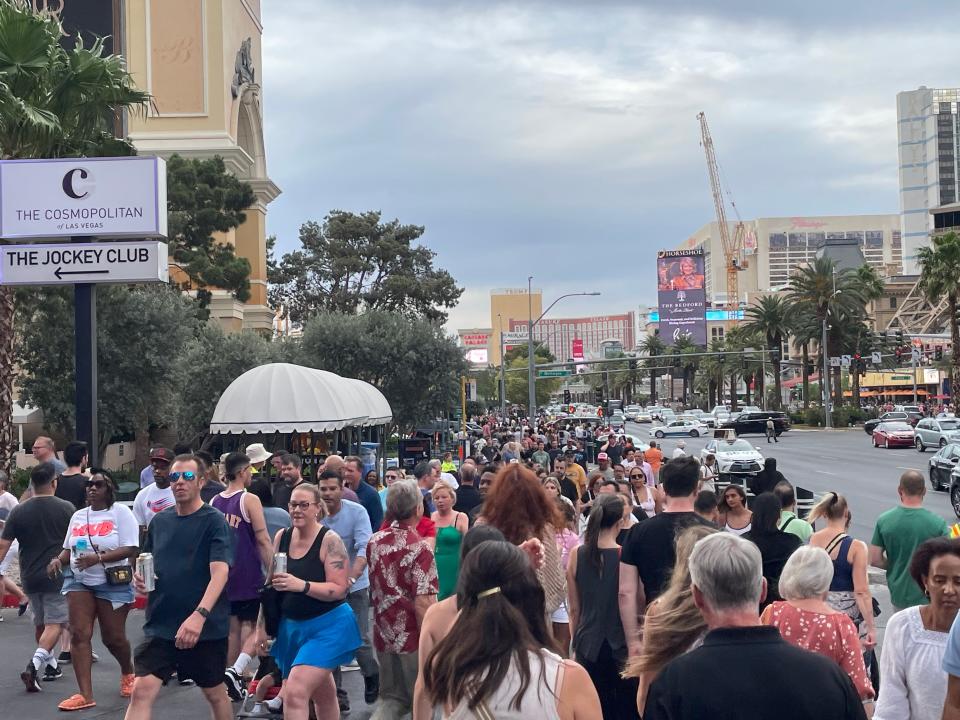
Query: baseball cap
x=162 y=453
x=602 y=456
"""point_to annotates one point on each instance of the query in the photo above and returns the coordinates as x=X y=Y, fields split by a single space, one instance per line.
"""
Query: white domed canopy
x=285 y=398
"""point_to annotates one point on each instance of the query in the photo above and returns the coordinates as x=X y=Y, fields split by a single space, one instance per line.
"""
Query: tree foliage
x=204 y=199
x=517 y=385
x=140 y=337
x=411 y=361
x=353 y=263
x=939 y=278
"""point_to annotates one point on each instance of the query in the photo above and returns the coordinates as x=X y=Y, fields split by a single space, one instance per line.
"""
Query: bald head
x=911 y=484
x=334 y=463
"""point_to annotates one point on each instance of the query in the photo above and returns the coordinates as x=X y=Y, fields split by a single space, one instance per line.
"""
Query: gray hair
x=403 y=499
x=435 y=464
x=807 y=574
x=728 y=570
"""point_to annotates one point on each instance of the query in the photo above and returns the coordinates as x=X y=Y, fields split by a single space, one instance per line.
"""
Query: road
x=841 y=460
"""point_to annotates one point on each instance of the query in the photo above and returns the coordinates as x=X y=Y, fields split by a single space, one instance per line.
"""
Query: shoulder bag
x=116 y=575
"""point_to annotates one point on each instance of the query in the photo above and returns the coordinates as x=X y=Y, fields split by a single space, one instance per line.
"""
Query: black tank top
x=297 y=606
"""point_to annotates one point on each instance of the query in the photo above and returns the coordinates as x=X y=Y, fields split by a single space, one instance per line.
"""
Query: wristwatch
x=203 y=611
x=306 y=588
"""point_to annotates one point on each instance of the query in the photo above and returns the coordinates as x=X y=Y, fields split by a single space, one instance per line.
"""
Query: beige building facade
x=510 y=304
x=775 y=247
x=201 y=61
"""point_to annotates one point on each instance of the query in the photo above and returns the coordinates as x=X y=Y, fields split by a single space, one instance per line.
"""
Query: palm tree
x=770 y=318
x=940 y=278
x=805 y=330
x=653 y=346
x=823 y=291
x=53 y=103
x=713 y=369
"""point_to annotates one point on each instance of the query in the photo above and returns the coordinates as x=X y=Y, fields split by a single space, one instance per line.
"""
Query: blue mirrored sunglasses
x=188 y=475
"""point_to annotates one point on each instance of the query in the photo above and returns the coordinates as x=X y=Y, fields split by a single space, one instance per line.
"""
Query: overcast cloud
x=559 y=140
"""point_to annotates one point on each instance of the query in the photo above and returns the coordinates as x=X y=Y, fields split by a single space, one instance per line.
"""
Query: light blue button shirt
x=352 y=524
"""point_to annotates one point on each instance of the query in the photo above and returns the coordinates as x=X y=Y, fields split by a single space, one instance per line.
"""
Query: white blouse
x=913 y=686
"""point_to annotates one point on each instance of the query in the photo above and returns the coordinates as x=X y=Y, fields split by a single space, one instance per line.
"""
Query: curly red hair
x=518 y=505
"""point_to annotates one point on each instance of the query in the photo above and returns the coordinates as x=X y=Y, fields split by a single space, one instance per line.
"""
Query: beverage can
x=280 y=562
x=145 y=569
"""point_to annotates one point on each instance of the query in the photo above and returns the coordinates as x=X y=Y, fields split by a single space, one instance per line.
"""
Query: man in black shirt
x=762 y=675
x=467 y=495
x=649 y=550
x=72 y=483
x=188 y=613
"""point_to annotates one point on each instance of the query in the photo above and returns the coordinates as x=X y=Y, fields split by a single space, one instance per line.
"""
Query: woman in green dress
x=451 y=527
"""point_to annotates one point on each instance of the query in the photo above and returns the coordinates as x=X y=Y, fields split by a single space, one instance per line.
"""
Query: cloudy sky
x=560 y=140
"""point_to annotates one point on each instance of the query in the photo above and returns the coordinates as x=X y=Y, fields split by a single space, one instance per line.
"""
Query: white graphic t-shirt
x=151 y=500
x=93 y=531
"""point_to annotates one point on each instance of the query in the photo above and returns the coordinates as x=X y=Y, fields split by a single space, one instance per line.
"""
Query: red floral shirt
x=401 y=568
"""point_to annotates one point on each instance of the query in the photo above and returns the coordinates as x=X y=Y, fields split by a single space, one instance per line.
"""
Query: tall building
x=927 y=149
x=559 y=334
x=506 y=306
x=201 y=61
x=775 y=247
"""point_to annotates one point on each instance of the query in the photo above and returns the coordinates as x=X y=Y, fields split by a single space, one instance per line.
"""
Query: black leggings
x=618 y=696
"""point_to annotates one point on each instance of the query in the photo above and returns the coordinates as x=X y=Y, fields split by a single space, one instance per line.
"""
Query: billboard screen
x=682 y=296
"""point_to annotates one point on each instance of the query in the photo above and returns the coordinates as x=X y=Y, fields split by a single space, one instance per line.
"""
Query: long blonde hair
x=670 y=631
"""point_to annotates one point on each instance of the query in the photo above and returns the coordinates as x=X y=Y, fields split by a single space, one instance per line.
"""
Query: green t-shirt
x=899 y=532
x=790 y=523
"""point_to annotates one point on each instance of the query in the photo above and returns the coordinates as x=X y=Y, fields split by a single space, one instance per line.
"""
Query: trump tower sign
x=101 y=197
x=682 y=296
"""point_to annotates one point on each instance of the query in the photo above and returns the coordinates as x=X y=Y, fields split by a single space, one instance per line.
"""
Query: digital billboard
x=682 y=296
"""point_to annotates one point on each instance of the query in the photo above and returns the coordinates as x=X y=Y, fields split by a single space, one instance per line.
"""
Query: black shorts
x=268 y=666
x=245 y=610
x=203 y=663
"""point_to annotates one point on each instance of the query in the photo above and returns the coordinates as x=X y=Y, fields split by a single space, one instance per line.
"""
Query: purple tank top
x=246 y=575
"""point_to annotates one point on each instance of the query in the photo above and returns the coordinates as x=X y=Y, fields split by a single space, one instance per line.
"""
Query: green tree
x=770 y=318
x=352 y=263
x=141 y=333
x=54 y=102
x=653 y=346
x=411 y=361
x=805 y=331
x=940 y=278
x=203 y=199
x=518 y=391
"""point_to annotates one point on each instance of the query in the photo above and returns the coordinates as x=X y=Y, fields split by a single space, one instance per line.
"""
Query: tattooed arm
x=336 y=566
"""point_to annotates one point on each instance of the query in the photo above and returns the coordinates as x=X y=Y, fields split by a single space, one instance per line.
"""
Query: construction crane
x=732 y=246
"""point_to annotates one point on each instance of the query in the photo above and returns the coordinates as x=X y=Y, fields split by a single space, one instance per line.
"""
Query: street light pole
x=531 y=380
x=825 y=380
x=503 y=375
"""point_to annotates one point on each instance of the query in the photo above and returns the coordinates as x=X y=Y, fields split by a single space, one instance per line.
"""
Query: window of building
x=893 y=302
x=716 y=333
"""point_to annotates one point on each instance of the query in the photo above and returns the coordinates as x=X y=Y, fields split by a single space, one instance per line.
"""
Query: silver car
x=934 y=433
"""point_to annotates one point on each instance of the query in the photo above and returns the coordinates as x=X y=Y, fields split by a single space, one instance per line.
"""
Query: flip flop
x=76 y=702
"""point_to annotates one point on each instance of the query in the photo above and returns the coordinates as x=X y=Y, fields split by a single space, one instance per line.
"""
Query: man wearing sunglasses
x=188 y=612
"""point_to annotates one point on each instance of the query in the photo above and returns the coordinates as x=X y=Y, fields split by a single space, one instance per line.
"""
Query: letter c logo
x=68 y=183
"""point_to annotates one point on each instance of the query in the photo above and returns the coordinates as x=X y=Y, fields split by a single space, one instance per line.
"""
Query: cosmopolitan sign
x=102 y=197
x=682 y=296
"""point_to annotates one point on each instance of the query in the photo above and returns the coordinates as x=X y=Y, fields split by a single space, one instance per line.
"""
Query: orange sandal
x=76 y=702
x=126 y=685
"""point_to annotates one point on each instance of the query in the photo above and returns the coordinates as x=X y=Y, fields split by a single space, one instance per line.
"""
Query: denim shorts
x=117 y=595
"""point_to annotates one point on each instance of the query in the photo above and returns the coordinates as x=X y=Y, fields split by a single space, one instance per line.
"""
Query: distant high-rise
x=927 y=136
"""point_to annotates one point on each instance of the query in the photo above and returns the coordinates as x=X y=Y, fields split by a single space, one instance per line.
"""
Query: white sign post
x=876 y=358
x=90 y=197
x=83 y=199
x=514 y=338
x=845 y=360
x=834 y=361
x=117 y=262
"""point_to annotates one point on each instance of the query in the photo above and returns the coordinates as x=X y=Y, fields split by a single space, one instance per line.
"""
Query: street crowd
x=556 y=571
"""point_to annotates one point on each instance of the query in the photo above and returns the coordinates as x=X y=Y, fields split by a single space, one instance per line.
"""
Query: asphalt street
x=841 y=460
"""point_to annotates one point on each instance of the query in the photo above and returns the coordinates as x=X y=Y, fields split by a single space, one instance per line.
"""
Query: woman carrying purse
x=100 y=541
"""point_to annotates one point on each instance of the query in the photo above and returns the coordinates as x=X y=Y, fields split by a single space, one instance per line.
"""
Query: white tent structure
x=285 y=398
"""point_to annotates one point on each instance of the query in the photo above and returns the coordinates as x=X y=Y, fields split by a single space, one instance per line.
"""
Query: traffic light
x=899 y=337
x=775 y=355
x=856 y=362
x=938 y=353
x=566 y=397
x=632 y=364
x=598 y=395
x=811 y=368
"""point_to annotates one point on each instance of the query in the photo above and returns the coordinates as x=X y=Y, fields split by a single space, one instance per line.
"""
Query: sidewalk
x=174 y=702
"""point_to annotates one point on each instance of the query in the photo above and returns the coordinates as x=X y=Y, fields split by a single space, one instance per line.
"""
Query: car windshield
x=736 y=446
x=895 y=426
x=949 y=424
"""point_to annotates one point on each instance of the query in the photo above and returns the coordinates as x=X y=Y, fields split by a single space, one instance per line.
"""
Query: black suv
x=756 y=422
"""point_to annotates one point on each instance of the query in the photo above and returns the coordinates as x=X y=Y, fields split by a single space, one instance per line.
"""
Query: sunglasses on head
x=188 y=475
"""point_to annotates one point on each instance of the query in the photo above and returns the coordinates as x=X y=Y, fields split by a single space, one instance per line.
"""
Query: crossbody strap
x=836 y=541
x=786 y=523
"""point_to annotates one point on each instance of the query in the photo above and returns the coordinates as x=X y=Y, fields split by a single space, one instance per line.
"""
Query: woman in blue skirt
x=318 y=630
